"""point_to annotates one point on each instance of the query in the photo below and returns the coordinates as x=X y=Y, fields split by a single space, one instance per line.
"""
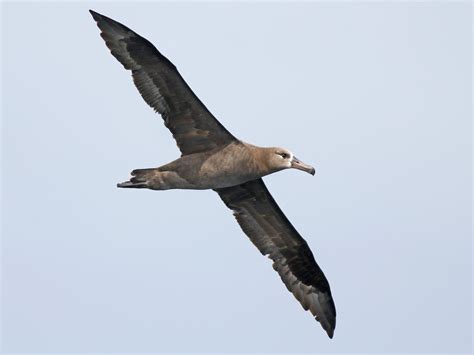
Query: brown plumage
x=212 y=158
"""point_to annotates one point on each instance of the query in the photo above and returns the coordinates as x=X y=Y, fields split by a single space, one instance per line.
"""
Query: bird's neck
x=260 y=158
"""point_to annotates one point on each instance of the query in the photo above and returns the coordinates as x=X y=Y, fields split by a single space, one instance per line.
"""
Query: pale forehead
x=279 y=150
x=283 y=150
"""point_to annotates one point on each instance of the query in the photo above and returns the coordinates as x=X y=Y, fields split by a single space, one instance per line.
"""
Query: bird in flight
x=212 y=158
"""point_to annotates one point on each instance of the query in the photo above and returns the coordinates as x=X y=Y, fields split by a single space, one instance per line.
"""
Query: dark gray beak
x=298 y=164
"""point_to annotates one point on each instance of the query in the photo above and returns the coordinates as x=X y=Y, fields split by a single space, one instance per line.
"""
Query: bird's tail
x=140 y=179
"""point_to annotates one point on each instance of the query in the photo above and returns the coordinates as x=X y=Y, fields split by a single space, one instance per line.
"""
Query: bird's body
x=212 y=158
x=232 y=165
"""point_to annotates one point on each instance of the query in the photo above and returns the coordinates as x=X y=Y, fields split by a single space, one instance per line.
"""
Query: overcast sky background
x=377 y=96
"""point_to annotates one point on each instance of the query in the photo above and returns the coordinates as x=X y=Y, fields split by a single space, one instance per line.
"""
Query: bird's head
x=281 y=158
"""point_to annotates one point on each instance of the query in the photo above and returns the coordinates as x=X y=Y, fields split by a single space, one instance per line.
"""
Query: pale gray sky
x=377 y=96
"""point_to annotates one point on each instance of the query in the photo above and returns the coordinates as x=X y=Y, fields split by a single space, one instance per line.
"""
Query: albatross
x=212 y=158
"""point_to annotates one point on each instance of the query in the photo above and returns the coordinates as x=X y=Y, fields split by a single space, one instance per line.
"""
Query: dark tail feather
x=139 y=180
x=129 y=184
x=141 y=173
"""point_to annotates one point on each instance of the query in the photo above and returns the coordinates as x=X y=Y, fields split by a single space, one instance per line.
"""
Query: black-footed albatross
x=212 y=158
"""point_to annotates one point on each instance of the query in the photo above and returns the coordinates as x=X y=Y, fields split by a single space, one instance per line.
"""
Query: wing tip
x=95 y=15
x=99 y=18
x=329 y=325
x=324 y=311
x=330 y=332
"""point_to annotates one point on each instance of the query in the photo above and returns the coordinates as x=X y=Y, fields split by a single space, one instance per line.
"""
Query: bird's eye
x=284 y=155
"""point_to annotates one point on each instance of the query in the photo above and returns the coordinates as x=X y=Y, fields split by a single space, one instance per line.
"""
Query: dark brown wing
x=267 y=227
x=162 y=87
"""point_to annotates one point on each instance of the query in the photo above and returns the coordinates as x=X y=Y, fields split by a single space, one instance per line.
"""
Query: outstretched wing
x=194 y=128
x=267 y=227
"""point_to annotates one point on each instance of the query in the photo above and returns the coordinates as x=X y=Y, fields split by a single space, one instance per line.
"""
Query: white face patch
x=290 y=159
x=284 y=158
